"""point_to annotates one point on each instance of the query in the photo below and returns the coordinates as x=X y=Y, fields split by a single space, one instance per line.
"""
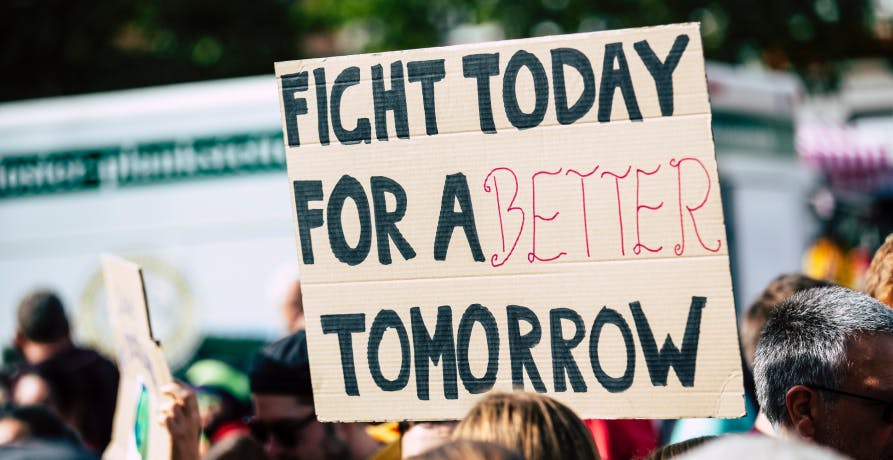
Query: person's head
x=823 y=372
x=284 y=416
x=535 y=425
x=468 y=450
x=41 y=320
x=677 y=449
x=34 y=422
x=746 y=447
x=419 y=437
x=223 y=394
x=754 y=318
x=293 y=308
x=33 y=389
x=879 y=277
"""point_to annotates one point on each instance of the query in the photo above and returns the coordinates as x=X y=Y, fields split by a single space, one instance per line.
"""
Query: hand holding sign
x=180 y=416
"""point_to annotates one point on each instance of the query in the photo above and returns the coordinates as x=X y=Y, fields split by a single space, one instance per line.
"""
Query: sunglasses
x=887 y=415
x=284 y=430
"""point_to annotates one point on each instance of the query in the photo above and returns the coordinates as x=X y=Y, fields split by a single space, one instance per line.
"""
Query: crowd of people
x=816 y=360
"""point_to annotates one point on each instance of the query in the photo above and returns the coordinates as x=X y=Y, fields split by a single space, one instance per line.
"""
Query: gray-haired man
x=824 y=371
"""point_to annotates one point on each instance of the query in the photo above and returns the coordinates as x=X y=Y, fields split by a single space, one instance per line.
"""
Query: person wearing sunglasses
x=284 y=419
x=824 y=371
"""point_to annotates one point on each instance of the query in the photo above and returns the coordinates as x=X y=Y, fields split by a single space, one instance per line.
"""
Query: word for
x=450 y=348
x=615 y=75
x=455 y=190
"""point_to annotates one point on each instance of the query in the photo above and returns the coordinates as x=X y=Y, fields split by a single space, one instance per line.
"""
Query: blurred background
x=151 y=129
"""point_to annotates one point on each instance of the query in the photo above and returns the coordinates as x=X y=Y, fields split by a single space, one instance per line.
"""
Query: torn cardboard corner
x=537 y=214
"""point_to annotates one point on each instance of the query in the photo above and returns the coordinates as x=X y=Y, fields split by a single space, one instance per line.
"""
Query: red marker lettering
x=494 y=259
x=619 y=208
x=531 y=256
x=679 y=249
x=639 y=207
x=583 y=195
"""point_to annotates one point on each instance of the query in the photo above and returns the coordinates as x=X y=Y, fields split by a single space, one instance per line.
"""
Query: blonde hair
x=879 y=277
x=535 y=425
x=468 y=450
x=678 y=449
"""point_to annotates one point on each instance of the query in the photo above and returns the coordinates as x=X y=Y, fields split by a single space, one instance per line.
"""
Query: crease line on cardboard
x=516 y=274
x=508 y=127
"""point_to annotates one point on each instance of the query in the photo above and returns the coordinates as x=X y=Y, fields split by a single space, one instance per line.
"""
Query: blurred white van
x=187 y=180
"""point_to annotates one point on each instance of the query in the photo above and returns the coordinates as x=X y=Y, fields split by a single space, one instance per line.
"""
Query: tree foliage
x=55 y=47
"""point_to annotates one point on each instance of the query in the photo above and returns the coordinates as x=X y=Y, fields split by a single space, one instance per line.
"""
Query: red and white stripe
x=852 y=158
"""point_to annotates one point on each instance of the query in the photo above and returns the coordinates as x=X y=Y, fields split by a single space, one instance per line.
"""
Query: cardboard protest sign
x=137 y=434
x=537 y=214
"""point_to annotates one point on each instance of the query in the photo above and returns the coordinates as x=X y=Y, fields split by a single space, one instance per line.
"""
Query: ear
x=801 y=404
x=19 y=339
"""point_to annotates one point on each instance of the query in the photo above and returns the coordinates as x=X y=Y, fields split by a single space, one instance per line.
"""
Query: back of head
x=741 y=447
x=42 y=424
x=283 y=368
x=678 y=449
x=756 y=315
x=469 y=450
x=879 y=277
x=41 y=317
x=805 y=341
x=535 y=425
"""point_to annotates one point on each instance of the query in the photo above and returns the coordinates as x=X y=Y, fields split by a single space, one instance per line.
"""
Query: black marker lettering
x=662 y=72
x=344 y=326
x=455 y=188
x=520 y=345
x=384 y=320
x=306 y=191
x=684 y=360
x=393 y=99
x=292 y=105
x=562 y=359
x=571 y=57
x=612 y=384
x=386 y=222
x=513 y=111
x=482 y=67
x=322 y=102
x=477 y=314
x=616 y=78
x=427 y=73
x=348 y=187
x=437 y=348
x=363 y=132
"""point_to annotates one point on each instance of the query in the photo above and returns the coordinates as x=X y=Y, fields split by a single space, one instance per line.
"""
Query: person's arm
x=180 y=416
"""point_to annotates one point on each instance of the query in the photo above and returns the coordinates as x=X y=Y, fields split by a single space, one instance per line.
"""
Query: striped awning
x=857 y=158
